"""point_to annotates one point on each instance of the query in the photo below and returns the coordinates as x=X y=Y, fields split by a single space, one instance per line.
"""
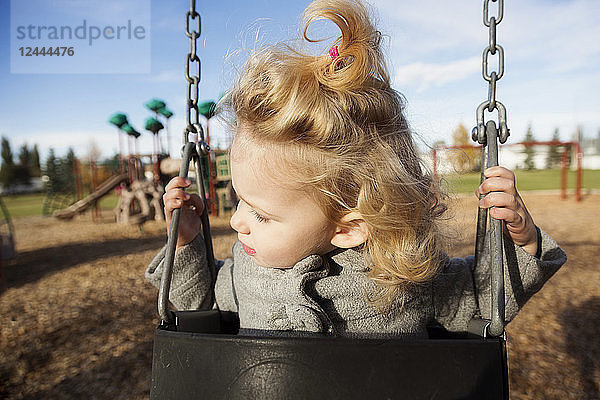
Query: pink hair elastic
x=333 y=52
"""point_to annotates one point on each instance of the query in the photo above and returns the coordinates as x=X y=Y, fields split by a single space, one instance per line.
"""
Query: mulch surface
x=77 y=317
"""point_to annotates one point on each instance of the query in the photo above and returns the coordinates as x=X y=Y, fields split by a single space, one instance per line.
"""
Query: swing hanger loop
x=479 y=135
x=193 y=133
x=199 y=131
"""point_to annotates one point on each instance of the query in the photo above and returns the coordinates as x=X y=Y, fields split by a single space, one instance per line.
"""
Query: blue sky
x=552 y=53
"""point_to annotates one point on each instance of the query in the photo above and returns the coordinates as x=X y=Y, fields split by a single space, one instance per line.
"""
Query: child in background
x=337 y=222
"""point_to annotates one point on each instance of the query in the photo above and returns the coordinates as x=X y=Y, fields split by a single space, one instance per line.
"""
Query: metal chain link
x=192 y=114
x=492 y=77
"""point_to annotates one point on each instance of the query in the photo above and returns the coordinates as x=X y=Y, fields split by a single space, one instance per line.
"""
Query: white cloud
x=167 y=76
x=426 y=29
x=555 y=37
x=424 y=75
x=551 y=56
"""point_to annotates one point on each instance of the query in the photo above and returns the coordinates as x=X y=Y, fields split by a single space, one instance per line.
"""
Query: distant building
x=36 y=184
x=591 y=153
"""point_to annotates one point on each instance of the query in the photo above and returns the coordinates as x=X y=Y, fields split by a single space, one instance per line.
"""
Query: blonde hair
x=339 y=129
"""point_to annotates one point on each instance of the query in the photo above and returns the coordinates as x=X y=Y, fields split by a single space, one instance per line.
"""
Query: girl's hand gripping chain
x=192 y=207
x=504 y=203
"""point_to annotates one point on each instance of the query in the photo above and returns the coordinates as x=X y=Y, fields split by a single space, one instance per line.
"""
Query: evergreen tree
x=554 y=156
x=51 y=170
x=24 y=155
x=113 y=164
x=529 y=151
x=66 y=176
x=34 y=164
x=7 y=171
x=22 y=169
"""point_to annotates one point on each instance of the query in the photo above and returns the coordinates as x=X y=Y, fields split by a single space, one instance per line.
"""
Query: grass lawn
x=31 y=204
x=544 y=179
x=24 y=205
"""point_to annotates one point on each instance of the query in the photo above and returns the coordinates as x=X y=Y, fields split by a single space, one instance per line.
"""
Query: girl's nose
x=238 y=223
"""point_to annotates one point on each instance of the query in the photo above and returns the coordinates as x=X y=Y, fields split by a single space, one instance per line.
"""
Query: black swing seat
x=201 y=357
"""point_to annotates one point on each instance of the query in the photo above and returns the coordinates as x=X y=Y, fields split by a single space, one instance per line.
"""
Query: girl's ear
x=352 y=231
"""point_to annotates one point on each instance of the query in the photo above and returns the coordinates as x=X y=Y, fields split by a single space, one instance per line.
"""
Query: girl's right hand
x=192 y=207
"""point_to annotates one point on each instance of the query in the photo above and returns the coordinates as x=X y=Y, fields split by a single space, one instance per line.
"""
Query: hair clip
x=333 y=52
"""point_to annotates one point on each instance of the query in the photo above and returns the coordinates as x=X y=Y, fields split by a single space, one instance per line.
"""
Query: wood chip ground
x=77 y=317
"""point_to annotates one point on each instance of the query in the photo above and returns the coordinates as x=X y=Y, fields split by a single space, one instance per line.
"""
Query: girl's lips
x=249 y=250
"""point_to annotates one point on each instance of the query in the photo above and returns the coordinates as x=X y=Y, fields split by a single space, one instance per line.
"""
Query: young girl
x=337 y=222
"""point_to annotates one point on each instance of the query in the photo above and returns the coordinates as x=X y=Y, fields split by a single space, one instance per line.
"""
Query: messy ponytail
x=359 y=57
x=337 y=127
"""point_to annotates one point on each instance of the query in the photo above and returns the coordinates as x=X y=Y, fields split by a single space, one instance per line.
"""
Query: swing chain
x=488 y=134
x=492 y=78
x=192 y=115
x=193 y=148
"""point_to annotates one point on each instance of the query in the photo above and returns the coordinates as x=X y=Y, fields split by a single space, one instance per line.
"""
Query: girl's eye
x=259 y=217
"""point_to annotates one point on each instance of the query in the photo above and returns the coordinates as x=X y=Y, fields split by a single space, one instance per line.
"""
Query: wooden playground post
x=94 y=181
x=579 y=172
x=130 y=161
x=120 y=121
x=563 y=173
x=77 y=179
x=155 y=126
x=121 y=161
x=155 y=160
x=139 y=165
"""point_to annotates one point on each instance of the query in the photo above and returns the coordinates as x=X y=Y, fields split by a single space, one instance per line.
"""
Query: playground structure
x=92 y=199
x=139 y=199
x=564 y=164
x=139 y=202
x=140 y=196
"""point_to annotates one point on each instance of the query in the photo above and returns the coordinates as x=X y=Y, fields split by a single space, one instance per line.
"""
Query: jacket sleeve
x=192 y=282
x=460 y=290
x=226 y=296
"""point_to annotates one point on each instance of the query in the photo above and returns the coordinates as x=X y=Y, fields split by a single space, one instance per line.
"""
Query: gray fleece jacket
x=330 y=293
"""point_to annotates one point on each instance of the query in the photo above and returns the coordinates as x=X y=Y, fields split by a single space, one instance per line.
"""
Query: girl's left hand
x=504 y=203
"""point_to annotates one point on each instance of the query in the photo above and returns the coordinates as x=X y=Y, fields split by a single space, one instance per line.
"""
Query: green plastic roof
x=155 y=105
x=207 y=109
x=165 y=112
x=118 y=119
x=153 y=125
x=130 y=130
